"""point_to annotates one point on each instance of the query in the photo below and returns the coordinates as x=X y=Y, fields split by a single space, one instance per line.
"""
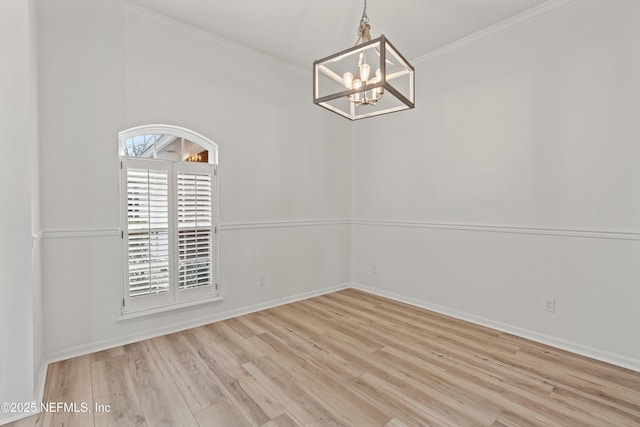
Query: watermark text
x=53 y=407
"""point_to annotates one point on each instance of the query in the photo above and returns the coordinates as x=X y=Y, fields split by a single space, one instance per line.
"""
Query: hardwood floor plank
x=478 y=346
x=224 y=358
x=241 y=327
x=425 y=318
x=606 y=413
x=107 y=354
x=294 y=407
x=428 y=389
x=69 y=379
x=387 y=335
x=490 y=398
x=331 y=313
x=146 y=366
x=260 y=395
x=71 y=383
x=225 y=366
x=248 y=318
x=452 y=353
x=414 y=344
x=195 y=381
x=394 y=401
x=554 y=356
x=165 y=407
x=229 y=384
x=626 y=384
x=223 y=413
x=291 y=313
x=353 y=299
x=113 y=386
x=413 y=374
x=388 y=374
x=627 y=399
x=395 y=423
x=560 y=414
x=304 y=406
x=341 y=310
x=239 y=347
x=327 y=387
x=283 y=420
x=333 y=365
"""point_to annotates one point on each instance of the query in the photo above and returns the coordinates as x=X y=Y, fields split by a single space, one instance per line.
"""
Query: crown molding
x=543 y=10
x=138 y=13
x=135 y=12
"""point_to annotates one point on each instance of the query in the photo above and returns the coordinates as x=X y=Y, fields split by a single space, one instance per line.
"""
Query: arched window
x=169 y=211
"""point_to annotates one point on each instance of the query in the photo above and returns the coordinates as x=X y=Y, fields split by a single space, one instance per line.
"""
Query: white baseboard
x=42 y=379
x=604 y=356
x=192 y=323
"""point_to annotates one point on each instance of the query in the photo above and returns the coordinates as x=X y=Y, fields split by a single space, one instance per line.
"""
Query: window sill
x=167 y=308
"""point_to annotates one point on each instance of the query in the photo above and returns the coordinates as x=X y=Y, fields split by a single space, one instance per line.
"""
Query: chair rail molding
x=74 y=233
x=544 y=231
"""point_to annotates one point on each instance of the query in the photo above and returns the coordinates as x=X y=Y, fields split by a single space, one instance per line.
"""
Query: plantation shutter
x=147 y=231
x=169 y=233
x=195 y=216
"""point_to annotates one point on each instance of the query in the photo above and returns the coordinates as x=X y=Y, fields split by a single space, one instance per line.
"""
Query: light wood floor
x=348 y=358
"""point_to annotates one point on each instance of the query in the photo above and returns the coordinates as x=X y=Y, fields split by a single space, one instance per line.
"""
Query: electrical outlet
x=374 y=269
x=550 y=305
x=263 y=281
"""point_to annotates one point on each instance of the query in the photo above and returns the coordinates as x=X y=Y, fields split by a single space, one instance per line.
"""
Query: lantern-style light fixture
x=366 y=80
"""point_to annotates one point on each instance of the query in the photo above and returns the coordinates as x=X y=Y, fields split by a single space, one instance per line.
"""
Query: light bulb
x=364 y=72
x=372 y=92
x=357 y=84
x=347 y=78
x=378 y=90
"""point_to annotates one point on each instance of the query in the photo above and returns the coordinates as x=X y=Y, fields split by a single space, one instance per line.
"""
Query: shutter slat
x=148 y=231
x=195 y=214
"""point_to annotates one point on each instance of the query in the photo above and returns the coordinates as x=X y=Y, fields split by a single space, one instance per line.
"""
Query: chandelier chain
x=364 y=19
x=364 y=28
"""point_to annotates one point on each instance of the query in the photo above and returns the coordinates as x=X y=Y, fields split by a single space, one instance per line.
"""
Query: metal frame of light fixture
x=362 y=99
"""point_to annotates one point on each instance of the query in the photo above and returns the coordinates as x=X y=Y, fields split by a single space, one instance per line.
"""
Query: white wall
x=281 y=159
x=536 y=128
x=20 y=316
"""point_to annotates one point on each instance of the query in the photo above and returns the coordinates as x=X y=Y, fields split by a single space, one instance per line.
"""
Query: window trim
x=176 y=302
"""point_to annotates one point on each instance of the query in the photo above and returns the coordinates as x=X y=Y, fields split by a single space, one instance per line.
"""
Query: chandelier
x=366 y=80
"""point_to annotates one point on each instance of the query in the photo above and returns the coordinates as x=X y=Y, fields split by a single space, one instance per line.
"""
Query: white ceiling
x=300 y=31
